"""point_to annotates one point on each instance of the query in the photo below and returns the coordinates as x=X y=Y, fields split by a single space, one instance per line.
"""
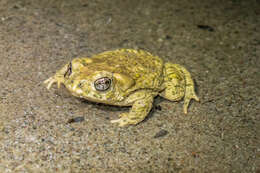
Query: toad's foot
x=189 y=87
x=189 y=94
x=52 y=80
x=124 y=120
x=59 y=76
x=139 y=111
x=179 y=84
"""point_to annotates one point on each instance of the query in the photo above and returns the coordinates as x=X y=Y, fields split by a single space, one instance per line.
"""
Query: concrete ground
x=51 y=131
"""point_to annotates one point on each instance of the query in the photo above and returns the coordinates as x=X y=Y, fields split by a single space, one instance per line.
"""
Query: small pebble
x=168 y=37
x=206 y=27
x=76 y=120
x=161 y=133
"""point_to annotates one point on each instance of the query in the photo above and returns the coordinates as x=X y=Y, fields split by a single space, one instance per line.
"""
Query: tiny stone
x=161 y=133
x=168 y=37
x=206 y=27
x=76 y=120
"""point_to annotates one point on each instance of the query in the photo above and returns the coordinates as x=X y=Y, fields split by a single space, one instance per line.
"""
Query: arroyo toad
x=126 y=77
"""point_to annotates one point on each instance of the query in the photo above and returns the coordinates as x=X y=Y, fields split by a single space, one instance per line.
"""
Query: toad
x=126 y=77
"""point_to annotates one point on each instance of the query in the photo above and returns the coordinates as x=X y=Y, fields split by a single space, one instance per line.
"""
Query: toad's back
x=143 y=67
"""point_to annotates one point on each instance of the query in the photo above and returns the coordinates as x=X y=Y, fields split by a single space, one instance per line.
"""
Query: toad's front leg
x=139 y=111
x=59 y=76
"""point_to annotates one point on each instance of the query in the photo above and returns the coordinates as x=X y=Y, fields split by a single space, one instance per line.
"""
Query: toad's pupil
x=102 y=84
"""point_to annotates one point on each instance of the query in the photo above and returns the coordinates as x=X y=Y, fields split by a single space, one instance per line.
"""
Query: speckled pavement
x=51 y=131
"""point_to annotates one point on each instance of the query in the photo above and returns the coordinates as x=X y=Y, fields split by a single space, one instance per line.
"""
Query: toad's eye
x=69 y=70
x=102 y=84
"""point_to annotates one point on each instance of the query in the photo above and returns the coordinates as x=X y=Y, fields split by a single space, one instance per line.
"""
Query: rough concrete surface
x=51 y=131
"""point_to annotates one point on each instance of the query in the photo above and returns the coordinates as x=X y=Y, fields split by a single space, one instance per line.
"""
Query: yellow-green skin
x=136 y=77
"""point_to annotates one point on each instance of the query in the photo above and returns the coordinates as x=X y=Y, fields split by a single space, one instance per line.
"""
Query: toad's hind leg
x=178 y=84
